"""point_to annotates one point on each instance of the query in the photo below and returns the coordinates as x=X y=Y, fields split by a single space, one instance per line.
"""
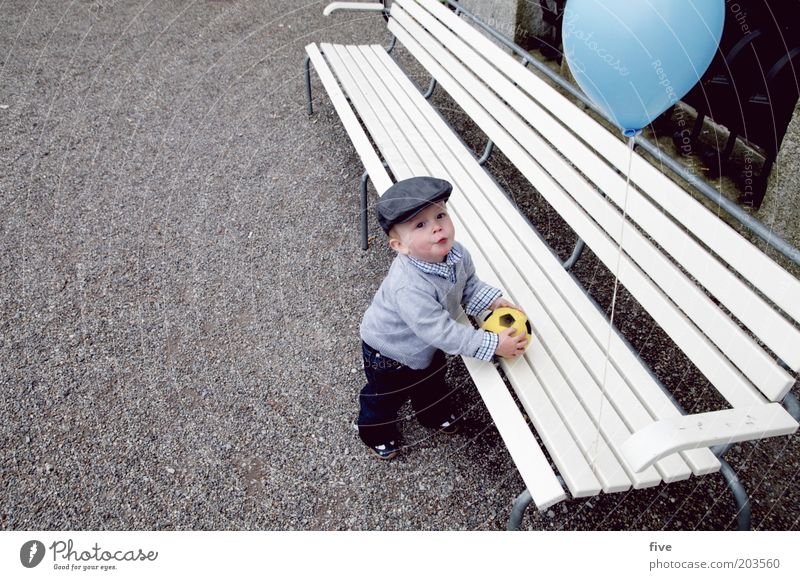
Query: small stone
x=170 y=470
x=551 y=514
x=48 y=468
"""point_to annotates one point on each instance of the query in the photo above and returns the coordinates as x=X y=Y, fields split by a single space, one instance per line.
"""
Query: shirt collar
x=444 y=269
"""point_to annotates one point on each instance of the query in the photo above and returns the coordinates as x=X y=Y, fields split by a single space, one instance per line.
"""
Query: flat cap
x=408 y=197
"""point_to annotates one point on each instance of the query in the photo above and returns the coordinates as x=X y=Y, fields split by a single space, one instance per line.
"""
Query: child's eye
x=441 y=215
x=420 y=224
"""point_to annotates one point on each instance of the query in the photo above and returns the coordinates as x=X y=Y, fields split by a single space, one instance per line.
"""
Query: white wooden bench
x=606 y=422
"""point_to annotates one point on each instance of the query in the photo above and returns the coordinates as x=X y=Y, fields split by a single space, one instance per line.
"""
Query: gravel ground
x=182 y=285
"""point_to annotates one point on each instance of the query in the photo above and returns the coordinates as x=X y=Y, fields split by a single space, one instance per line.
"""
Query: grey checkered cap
x=408 y=197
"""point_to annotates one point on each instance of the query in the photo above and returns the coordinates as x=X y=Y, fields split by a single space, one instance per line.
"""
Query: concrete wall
x=780 y=209
x=519 y=20
x=499 y=14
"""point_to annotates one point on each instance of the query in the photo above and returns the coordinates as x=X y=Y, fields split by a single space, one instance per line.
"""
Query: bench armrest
x=663 y=438
x=362 y=6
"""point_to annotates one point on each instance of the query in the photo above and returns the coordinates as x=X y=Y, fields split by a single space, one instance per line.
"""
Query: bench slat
x=409 y=164
x=772 y=280
x=531 y=463
x=369 y=158
x=528 y=457
x=444 y=166
x=728 y=380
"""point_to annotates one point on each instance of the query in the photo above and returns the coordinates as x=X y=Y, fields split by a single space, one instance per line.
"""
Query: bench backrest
x=709 y=288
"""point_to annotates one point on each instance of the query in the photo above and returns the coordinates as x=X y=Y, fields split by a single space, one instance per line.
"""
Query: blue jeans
x=389 y=385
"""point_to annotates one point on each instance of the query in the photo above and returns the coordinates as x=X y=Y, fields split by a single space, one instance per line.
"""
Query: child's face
x=428 y=236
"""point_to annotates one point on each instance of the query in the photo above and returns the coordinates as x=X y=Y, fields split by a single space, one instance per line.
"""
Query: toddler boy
x=411 y=322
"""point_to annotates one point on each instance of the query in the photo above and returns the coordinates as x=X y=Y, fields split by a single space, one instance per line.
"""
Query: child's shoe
x=385 y=451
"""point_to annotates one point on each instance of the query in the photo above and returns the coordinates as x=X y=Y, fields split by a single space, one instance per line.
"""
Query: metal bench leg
x=392 y=42
x=735 y=485
x=742 y=501
x=364 y=227
x=364 y=238
x=518 y=510
x=792 y=406
x=307 y=65
x=790 y=402
x=576 y=253
x=431 y=88
x=487 y=152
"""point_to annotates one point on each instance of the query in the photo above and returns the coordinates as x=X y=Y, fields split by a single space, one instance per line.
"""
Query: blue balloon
x=636 y=58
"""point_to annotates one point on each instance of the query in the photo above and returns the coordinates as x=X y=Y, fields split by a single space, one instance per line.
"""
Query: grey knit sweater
x=415 y=313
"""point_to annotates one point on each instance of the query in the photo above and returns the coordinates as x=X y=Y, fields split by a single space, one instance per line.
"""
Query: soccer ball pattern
x=504 y=318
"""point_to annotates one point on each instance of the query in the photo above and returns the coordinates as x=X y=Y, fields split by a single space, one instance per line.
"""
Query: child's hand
x=503 y=303
x=511 y=345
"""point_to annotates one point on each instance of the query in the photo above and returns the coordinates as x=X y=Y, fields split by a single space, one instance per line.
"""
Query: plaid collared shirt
x=478 y=304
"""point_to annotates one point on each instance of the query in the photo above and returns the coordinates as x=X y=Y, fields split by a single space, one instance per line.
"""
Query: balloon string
x=613 y=303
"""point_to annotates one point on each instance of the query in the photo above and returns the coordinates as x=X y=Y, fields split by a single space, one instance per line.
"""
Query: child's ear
x=398 y=246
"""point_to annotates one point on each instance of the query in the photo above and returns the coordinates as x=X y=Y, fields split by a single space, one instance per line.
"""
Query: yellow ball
x=503 y=318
